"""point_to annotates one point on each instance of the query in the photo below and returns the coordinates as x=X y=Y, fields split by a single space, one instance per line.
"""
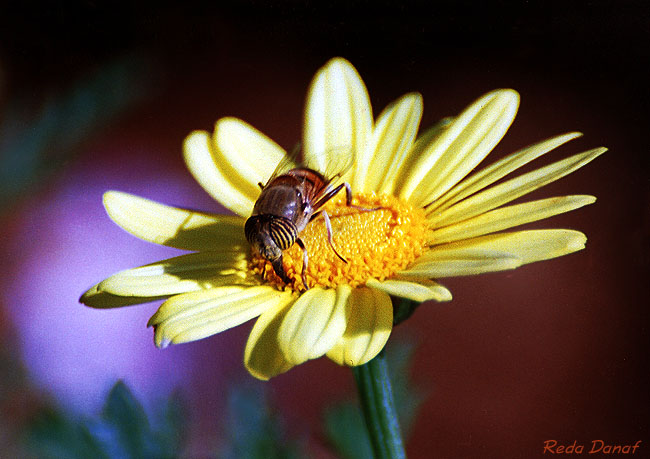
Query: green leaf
x=125 y=423
x=122 y=431
x=403 y=309
x=254 y=430
x=54 y=435
x=346 y=431
x=169 y=430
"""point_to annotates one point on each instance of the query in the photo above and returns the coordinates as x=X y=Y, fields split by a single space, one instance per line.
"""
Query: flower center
x=375 y=243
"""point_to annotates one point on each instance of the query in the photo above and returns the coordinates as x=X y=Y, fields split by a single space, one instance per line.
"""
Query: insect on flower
x=292 y=197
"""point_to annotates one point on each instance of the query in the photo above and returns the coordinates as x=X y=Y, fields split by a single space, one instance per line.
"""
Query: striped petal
x=103 y=300
x=529 y=246
x=313 y=324
x=419 y=148
x=496 y=252
x=338 y=115
x=392 y=138
x=510 y=190
x=420 y=291
x=508 y=217
x=262 y=356
x=369 y=323
x=458 y=150
x=497 y=171
x=198 y=151
x=173 y=227
x=187 y=273
x=468 y=263
x=245 y=155
x=197 y=315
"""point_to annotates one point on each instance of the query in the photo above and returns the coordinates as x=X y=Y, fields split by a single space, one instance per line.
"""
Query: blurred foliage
x=37 y=136
x=345 y=427
x=122 y=431
x=346 y=431
x=254 y=430
x=17 y=398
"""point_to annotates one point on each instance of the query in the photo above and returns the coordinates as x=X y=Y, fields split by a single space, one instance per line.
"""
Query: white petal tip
x=442 y=295
x=576 y=244
x=195 y=140
x=108 y=195
x=112 y=198
x=506 y=93
x=164 y=343
x=338 y=62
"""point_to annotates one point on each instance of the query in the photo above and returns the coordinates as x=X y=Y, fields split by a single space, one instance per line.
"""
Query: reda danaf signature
x=596 y=447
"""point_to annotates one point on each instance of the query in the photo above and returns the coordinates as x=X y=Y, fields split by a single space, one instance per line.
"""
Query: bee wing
x=339 y=162
x=292 y=160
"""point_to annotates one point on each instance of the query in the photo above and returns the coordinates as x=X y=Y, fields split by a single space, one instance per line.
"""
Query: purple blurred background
x=554 y=350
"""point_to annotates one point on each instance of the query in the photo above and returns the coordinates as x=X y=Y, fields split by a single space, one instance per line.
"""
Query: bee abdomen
x=283 y=232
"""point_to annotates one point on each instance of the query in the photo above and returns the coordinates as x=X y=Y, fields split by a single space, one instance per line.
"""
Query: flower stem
x=376 y=394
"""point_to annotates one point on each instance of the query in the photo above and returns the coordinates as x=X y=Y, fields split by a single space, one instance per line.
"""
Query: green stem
x=376 y=394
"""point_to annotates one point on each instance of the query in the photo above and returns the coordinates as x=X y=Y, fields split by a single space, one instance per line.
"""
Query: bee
x=292 y=197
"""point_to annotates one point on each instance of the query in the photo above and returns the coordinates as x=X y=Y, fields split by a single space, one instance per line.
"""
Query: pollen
x=378 y=237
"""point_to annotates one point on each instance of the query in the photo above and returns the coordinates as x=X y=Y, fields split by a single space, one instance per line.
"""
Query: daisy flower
x=436 y=218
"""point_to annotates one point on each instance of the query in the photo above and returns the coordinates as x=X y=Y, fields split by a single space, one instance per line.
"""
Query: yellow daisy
x=437 y=219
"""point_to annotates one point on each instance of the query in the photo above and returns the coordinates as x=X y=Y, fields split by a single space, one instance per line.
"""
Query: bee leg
x=260 y=185
x=328 y=226
x=348 y=199
x=279 y=270
x=305 y=261
x=326 y=197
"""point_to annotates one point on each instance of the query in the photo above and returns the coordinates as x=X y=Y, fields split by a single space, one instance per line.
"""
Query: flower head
x=433 y=217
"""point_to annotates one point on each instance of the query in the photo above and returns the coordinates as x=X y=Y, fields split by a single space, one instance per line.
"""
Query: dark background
x=554 y=350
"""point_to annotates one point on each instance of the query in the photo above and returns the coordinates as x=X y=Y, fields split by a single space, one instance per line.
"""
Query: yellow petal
x=180 y=228
x=508 y=217
x=338 y=116
x=369 y=323
x=463 y=145
x=198 y=151
x=465 y=264
x=498 y=170
x=419 y=148
x=262 y=356
x=103 y=300
x=392 y=138
x=196 y=315
x=245 y=155
x=528 y=246
x=510 y=190
x=313 y=324
x=187 y=273
x=420 y=291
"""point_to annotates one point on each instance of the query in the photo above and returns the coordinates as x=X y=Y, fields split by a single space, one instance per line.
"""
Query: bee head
x=270 y=235
x=259 y=235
